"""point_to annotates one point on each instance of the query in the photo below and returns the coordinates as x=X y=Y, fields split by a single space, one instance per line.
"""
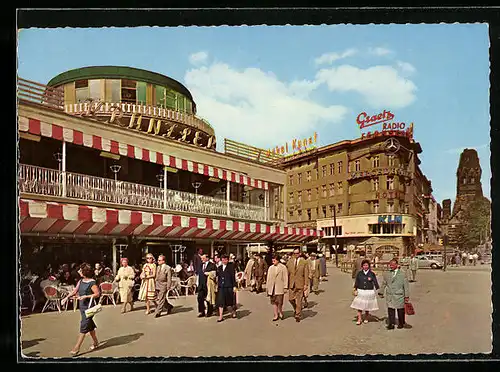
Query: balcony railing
x=41 y=94
x=44 y=181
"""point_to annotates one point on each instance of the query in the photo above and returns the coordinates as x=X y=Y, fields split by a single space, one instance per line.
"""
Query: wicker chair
x=189 y=283
x=108 y=292
x=53 y=298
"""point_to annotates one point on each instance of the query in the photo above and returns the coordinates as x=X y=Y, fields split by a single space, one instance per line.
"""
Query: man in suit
x=298 y=279
x=396 y=289
x=163 y=284
x=413 y=267
x=205 y=268
x=314 y=272
x=357 y=265
x=259 y=269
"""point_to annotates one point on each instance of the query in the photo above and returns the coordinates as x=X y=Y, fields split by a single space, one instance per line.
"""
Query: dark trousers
x=202 y=294
x=162 y=301
x=392 y=316
x=259 y=280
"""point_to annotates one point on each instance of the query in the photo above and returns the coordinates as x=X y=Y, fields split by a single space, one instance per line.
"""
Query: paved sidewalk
x=453 y=315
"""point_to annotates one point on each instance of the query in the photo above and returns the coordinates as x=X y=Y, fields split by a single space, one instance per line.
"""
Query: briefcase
x=409 y=310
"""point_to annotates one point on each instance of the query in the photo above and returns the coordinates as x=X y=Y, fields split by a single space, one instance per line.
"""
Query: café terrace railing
x=45 y=181
x=38 y=93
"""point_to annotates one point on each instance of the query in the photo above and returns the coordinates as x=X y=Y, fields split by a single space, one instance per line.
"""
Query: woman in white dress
x=125 y=278
x=365 y=292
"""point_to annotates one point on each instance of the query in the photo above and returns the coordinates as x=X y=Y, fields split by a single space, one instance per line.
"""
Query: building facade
x=114 y=161
x=371 y=188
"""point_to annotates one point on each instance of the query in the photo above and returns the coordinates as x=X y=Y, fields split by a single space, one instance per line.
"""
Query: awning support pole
x=63 y=169
x=114 y=257
x=228 y=197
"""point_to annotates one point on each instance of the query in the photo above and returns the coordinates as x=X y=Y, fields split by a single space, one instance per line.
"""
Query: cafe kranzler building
x=115 y=161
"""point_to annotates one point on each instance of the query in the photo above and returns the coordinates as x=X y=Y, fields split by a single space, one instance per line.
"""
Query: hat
x=320 y=255
x=313 y=254
x=178 y=268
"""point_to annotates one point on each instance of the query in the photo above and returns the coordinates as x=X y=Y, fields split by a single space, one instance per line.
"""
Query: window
x=332 y=169
x=332 y=210
x=95 y=89
x=324 y=211
x=390 y=160
x=112 y=93
x=81 y=90
x=290 y=214
x=323 y=170
x=386 y=228
x=472 y=180
x=332 y=189
x=299 y=214
x=323 y=191
x=317 y=192
x=348 y=167
x=290 y=180
x=390 y=183
x=309 y=195
x=340 y=188
x=299 y=196
x=291 y=198
x=375 y=184
x=357 y=165
x=376 y=162
x=308 y=176
x=465 y=181
x=339 y=208
x=349 y=208
x=375 y=207
x=129 y=91
x=299 y=180
x=316 y=173
x=390 y=207
x=339 y=165
x=309 y=214
x=141 y=93
x=407 y=208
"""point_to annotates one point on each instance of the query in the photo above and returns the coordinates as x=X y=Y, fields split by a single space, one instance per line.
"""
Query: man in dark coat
x=260 y=270
x=205 y=268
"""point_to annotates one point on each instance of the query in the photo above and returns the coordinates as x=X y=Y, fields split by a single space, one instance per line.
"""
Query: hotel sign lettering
x=379 y=172
x=296 y=145
x=390 y=219
x=155 y=126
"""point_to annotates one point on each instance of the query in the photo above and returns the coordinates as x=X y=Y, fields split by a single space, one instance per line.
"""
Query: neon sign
x=296 y=145
x=387 y=128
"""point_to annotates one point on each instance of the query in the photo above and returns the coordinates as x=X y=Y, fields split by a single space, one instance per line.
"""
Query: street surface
x=453 y=315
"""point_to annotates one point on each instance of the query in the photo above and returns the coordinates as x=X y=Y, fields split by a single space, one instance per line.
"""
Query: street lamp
x=196 y=186
x=115 y=168
x=445 y=243
x=335 y=235
x=58 y=158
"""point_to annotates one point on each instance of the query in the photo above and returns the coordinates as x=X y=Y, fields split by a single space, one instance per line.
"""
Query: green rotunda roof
x=119 y=72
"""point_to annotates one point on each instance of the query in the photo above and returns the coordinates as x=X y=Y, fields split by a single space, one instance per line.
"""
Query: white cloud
x=256 y=108
x=459 y=150
x=329 y=58
x=379 y=51
x=198 y=58
x=381 y=86
x=406 y=68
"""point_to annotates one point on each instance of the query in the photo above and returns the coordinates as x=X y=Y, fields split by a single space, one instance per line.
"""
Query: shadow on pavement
x=308 y=314
x=371 y=318
x=243 y=313
x=117 y=341
x=181 y=309
x=30 y=343
x=311 y=304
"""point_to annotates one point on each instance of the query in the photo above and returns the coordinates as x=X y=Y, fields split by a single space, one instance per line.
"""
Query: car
x=425 y=262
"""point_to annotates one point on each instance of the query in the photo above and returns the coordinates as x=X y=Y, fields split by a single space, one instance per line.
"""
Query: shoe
x=74 y=353
x=390 y=326
x=281 y=317
x=157 y=315
x=201 y=315
x=234 y=315
x=219 y=320
x=359 y=322
x=400 y=326
x=365 y=321
x=297 y=319
x=275 y=319
x=208 y=315
x=169 y=309
x=94 y=346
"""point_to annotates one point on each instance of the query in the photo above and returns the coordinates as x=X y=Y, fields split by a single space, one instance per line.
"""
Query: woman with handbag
x=85 y=290
x=125 y=278
x=365 y=292
x=147 y=292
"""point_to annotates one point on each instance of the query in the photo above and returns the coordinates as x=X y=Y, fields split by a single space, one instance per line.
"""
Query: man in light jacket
x=396 y=289
x=163 y=284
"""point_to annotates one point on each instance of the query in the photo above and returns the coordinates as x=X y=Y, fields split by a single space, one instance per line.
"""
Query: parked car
x=425 y=262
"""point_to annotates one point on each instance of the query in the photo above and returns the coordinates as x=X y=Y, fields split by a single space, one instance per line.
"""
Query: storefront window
x=386 y=228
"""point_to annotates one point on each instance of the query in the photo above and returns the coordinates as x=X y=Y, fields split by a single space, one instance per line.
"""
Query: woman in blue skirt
x=85 y=290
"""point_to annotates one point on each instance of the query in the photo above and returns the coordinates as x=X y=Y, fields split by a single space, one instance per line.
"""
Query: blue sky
x=266 y=85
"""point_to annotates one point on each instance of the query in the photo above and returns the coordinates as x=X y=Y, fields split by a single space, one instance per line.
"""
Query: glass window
x=291 y=214
x=299 y=214
x=308 y=176
x=170 y=99
x=290 y=179
x=340 y=188
x=129 y=91
x=113 y=91
x=323 y=170
x=391 y=160
x=349 y=208
x=407 y=208
x=376 y=161
x=299 y=196
x=160 y=96
x=390 y=183
x=309 y=214
x=339 y=164
x=332 y=169
x=323 y=190
x=375 y=183
x=324 y=211
x=291 y=197
x=81 y=90
x=332 y=189
x=358 y=165
x=332 y=210
x=375 y=207
x=95 y=89
x=390 y=207
x=141 y=93
x=299 y=176
x=182 y=103
x=309 y=195
x=339 y=208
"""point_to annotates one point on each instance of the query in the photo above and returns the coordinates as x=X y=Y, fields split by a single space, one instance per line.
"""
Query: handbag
x=90 y=312
x=409 y=310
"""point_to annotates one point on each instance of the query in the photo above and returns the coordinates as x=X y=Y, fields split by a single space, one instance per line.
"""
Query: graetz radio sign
x=386 y=125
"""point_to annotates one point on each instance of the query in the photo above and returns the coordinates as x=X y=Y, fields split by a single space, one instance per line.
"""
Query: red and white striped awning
x=40 y=128
x=56 y=218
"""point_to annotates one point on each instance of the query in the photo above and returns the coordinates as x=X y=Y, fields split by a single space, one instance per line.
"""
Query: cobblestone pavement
x=453 y=315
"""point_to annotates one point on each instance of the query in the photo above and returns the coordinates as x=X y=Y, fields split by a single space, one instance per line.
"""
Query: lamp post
x=445 y=243
x=335 y=235
x=196 y=186
x=160 y=177
x=115 y=168
x=59 y=157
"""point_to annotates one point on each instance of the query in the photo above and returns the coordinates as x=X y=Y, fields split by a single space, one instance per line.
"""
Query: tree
x=474 y=222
